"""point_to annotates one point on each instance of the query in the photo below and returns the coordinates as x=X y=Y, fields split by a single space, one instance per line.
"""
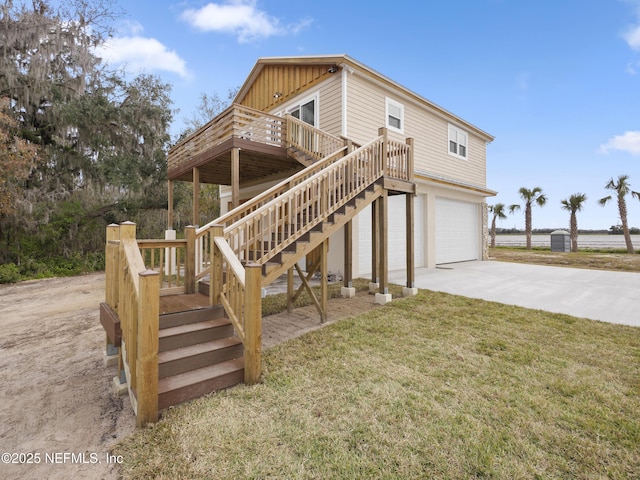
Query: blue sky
x=556 y=82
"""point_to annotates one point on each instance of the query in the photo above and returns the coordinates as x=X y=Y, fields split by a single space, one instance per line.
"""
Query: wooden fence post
x=111 y=266
x=148 y=327
x=252 y=323
x=215 y=272
x=190 y=260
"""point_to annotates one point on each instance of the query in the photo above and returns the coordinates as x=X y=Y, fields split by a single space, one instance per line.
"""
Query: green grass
x=435 y=386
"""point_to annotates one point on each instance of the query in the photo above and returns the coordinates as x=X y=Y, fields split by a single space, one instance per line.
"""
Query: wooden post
x=169 y=204
x=410 y=166
x=383 y=245
x=216 y=273
x=190 y=260
x=324 y=288
x=410 y=241
x=196 y=196
x=235 y=177
x=383 y=132
x=290 y=291
x=375 y=241
x=148 y=327
x=252 y=323
x=348 y=254
x=111 y=266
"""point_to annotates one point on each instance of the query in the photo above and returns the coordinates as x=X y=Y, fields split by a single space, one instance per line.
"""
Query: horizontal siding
x=366 y=113
x=331 y=106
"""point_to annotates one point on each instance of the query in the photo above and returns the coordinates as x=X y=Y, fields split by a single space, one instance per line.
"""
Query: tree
x=498 y=211
x=530 y=197
x=574 y=204
x=622 y=189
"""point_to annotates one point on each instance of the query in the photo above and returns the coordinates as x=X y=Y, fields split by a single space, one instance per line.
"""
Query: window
x=306 y=111
x=457 y=142
x=395 y=115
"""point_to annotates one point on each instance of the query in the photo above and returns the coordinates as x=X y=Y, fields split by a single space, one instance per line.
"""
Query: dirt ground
x=58 y=410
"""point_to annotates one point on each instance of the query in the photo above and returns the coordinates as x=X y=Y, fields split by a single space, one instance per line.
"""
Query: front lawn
x=435 y=386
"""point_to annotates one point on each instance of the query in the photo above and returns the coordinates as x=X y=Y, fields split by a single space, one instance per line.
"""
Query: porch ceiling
x=257 y=161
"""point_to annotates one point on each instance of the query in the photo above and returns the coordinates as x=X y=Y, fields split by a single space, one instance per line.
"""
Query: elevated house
x=326 y=166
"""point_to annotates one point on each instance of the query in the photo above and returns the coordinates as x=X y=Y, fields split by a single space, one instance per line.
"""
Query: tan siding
x=331 y=106
x=366 y=113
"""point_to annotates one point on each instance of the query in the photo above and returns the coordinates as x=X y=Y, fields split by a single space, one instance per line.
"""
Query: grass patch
x=434 y=386
x=590 y=259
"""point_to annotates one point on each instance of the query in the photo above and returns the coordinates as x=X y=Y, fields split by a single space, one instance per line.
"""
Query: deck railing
x=235 y=121
x=310 y=140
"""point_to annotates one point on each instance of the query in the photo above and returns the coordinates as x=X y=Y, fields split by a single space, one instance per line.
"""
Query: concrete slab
x=607 y=296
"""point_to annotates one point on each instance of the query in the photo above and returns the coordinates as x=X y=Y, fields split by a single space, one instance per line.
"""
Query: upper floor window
x=306 y=111
x=458 y=140
x=395 y=115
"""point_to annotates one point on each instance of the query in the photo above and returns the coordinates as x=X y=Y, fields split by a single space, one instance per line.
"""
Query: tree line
x=81 y=145
x=620 y=187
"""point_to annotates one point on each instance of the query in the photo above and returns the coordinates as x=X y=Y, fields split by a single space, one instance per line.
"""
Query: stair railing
x=338 y=147
x=269 y=230
x=138 y=304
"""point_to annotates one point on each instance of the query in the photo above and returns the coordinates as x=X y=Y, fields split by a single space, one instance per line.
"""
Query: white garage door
x=397 y=230
x=457 y=231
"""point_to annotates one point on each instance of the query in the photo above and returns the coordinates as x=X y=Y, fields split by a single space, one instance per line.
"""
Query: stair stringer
x=290 y=258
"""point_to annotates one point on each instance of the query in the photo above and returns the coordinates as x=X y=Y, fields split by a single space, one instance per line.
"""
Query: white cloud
x=238 y=17
x=140 y=53
x=627 y=142
x=632 y=37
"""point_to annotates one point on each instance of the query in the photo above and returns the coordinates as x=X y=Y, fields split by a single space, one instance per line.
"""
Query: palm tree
x=622 y=188
x=498 y=212
x=530 y=197
x=573 y=204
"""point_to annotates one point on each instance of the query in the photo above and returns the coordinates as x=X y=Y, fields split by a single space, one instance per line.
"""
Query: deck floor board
x=182 y=303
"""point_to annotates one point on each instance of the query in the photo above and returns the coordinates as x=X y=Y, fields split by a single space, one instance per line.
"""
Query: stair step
x=196 y=383
x=192 y=333
x=191 y=316
x=183 y=359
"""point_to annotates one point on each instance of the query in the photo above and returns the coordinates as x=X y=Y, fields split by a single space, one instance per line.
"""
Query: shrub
x=9 y=273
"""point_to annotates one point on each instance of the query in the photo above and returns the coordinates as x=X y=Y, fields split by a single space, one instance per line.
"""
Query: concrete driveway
x=596 y=294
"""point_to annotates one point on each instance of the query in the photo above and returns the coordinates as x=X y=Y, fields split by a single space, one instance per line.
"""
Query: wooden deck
x=182 y=303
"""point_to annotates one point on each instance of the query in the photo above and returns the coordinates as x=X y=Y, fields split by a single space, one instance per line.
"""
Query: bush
x=9 y=273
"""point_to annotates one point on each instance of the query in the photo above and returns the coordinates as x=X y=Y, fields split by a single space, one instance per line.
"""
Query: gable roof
x=275 y=79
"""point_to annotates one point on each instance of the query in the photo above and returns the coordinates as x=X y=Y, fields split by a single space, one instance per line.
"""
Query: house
x=325 y=163
x=343 y=97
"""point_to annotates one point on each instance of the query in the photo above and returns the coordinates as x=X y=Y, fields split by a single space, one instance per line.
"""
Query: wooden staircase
x=198 y=353
x=174 y=357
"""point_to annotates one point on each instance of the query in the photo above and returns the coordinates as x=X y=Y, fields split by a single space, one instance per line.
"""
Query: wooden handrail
x=138 y=310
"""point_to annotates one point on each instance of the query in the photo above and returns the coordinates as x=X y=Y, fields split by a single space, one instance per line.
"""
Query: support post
x=235 y=177
x=348 y=291
x=128 y=318
x=290 y=291
x=383 y=296
x=215 y=273
x=375 y=254
x=148 y=327
x=324 y=287
x=190 y=260
x=169 y=204
x=196 y=196
x=252 y=324
x=410 y=289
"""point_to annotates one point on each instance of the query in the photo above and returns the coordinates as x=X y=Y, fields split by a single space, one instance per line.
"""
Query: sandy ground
x=58 y=410
x=56 y=393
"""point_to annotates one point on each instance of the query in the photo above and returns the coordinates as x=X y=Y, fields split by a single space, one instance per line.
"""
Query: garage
x=397 y=239
x=457 y=231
